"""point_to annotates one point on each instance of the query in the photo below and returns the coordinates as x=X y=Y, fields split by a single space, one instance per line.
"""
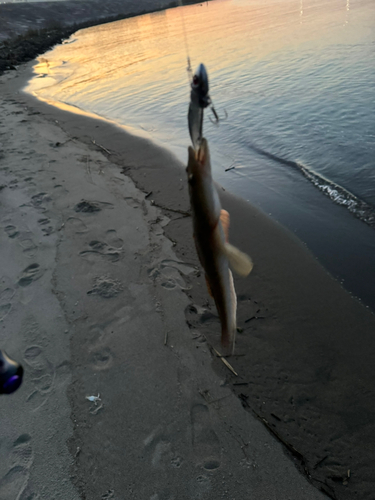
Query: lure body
x=199 y=101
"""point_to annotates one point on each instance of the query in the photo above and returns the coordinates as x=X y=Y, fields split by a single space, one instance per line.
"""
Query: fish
x=215 y=253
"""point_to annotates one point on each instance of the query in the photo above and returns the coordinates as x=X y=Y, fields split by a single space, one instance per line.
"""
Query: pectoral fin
x=238 y=261
x=225 y=219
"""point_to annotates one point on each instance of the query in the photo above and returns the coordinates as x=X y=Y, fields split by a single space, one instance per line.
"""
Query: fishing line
x=199 y=96
x=189 y=69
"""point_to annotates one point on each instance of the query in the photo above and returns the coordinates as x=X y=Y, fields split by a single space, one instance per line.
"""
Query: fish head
x=199 y=164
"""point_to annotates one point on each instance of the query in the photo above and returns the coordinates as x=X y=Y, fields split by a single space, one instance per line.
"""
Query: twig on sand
x=218 y=399
x=101 y=147
x=166 y=337
x=88 y=166
x=232 y=167
x=175 y=210
x=225 y=362
x=207 y=396
x=254 y=317
x=320 y=462
x=94 y=410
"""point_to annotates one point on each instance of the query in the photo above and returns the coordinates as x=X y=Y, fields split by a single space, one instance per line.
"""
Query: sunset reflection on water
x=145 y=52
x=292 y=75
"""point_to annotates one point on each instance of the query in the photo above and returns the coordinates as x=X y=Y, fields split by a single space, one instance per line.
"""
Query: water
x=297 y=80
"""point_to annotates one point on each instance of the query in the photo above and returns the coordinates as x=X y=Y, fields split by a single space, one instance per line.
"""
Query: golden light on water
x=138 y=53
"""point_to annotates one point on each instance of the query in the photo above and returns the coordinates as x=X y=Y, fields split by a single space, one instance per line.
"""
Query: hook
x=217 y=119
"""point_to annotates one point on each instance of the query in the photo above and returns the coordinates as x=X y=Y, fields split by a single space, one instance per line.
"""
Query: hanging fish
x=211 y=227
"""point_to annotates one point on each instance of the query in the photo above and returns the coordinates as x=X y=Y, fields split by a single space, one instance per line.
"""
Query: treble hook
x=217 y=119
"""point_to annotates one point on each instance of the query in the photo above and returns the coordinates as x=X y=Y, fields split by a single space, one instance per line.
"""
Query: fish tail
x=239 y=261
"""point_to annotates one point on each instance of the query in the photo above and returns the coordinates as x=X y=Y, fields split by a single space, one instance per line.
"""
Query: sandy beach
x=102 y=295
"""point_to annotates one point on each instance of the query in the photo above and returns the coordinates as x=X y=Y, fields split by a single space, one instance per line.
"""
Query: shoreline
x=92 y=301
x=298 y=374
x=306 y=345
x=341 y=243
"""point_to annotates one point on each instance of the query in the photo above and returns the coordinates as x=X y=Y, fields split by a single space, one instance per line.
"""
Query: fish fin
x=225 y=219
x=209 y=287
x=228 y=336
x=239 y=261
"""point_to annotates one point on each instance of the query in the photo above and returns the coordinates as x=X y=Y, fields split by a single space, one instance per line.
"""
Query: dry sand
x=101 y=293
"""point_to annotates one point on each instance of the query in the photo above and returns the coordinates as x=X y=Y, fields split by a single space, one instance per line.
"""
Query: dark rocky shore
x=30 y=29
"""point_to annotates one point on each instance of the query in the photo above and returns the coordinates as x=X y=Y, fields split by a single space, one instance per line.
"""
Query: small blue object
x=11 y=374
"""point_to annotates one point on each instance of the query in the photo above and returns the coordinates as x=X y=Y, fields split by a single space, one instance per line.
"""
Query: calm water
x=297 y=80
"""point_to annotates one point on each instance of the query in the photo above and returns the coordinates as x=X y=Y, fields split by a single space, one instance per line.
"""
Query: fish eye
x=195 y=80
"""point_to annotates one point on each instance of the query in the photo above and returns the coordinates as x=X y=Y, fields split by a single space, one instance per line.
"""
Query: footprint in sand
x=101 y=358
x=29 y=247
x=75 y=225
x=24 y=239
x=206 y=444
x=41 y=373
x=134 y=203
x=85 y=206
x=100 y=355
x=199 y=487
x=161 y=451
x=32 y=273
x=46 y=229
x=13 y=184
x=39 y=199
x=59 y=190
x=201 y=321
x=101 y=249
x=11 y=231
x=13 y=484
x=171 y=274
x=6 y=296
x=113 y=239
x=106 y=287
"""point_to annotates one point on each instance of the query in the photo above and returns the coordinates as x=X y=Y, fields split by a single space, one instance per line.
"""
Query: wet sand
x=102 y=293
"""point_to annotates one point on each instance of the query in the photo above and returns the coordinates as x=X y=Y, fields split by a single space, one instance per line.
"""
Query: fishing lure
x=199 y=101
